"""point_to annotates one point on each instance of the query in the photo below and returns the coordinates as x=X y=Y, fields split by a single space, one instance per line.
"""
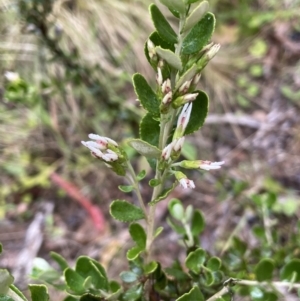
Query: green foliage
x=38 y=292
x=199 y=113
x=161 y=25
x=146 y=95
x=125 y=212
x=200 y=35
x=145 y=149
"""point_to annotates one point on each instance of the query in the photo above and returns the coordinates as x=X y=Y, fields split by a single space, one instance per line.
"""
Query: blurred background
x=65 y=72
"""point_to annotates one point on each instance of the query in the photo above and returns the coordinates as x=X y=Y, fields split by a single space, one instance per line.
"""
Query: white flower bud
x=167 y=98
x=159 y=77
x=213 y=51
x=166 y=86
x=184 y=87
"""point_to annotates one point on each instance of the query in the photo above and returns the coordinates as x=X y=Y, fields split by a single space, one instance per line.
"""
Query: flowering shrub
x=175 y=109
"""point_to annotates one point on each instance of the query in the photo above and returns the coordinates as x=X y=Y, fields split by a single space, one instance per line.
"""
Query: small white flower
x=166 y=86
x=178 y=144
x=184 y=87
x=102 y=140
x=184 y=116
x=186 y=183
x=159 y=77
x=166 y=153
x=94 y=149
x=110 y=156
x=208 y=165
x=190 y=97
x=167 y=98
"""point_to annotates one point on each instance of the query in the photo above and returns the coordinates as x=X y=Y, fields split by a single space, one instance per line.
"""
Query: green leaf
x=157 y=41
x=198 y=223
x=199 y=113
x=1 y=248
x=15 y=290
x=60 y=260
x=145 y=94
x=161 y=25
x=90 y=297
x=38 y=292
x=88 y=267
x=144 y=148
x=195 y=260
x=214 y=264
x=188 y=75
x=149 y=130
x=154 y=182
x=176 y=5
x=6 y=279
x=133 y=253
x=141 y=175
x=138 y=235
x=74 y=281
x=125 y=212
x=170 y=57
x=291 y=271
x=6 y=298
x=196 y=15
x=125 y=188
x=176 y=209
x=264 y=269
x=129 y=277
x=158 y=231
x=193 y=295
x=208 y=278
x=133 y=294
x=200 y=35
x=165 y=193
x=178 y=229
x=239 y=246
x=150 y=267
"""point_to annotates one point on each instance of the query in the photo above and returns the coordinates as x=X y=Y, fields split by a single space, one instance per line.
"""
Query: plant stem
x=166 y=123
x=136 y=186
x=226 y=288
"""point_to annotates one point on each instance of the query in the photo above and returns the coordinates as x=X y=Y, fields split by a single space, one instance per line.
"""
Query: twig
x=233 y=119
x=231 y=282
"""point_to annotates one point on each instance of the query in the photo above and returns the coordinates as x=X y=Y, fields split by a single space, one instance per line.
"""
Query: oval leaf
x=125 y=212
x=150 y=267
x=149 y=130
x=133 y=253
x=59 y=260
x=138 y=235
x=144 y=148
x=200 y=35
x=170 y=57
x=74 y=281
x=6 y=279
x=161 y=25
x=176 y=209
x=157 y=41
x=193 y=295
x=141 y=175
x=214 y=264
x=264 y=270
x=176 y=5
x=291 y=271
x=125 y=188
x=198 y=223
x=163 y=195
x=199 y=113
x=196 y=15
x=38 y=292
x=145 y=94
x=195 y=260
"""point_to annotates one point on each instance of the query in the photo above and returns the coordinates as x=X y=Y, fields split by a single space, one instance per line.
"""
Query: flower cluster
x=101 y=148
